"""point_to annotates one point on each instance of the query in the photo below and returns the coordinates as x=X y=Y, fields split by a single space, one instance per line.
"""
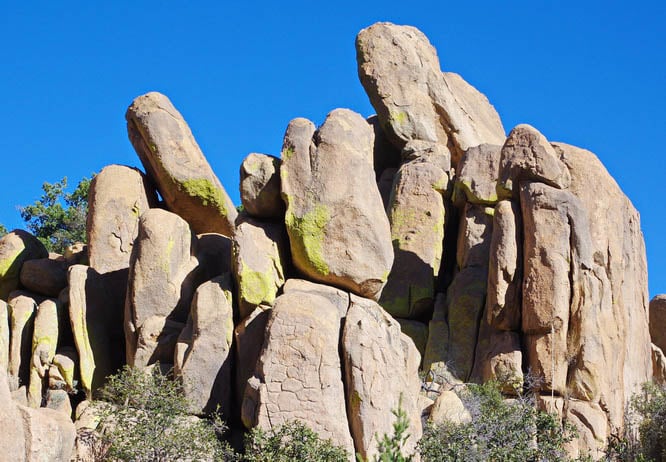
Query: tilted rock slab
x=118 y=196
x=335 y=219
x=260 y=186
x=44 y=343
x=202 y=358
x=174 y=161
x=379 y=376
x=161 y=285
x=260 y=250
x=298 y=376
x=33 y=435
x=414 y=99
x=17 y=247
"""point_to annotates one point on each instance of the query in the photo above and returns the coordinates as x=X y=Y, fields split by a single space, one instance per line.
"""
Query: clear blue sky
x=590 y=73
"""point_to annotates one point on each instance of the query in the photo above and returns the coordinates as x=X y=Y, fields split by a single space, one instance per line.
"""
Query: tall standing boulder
x=298 y=374
x=337 y=227
x=44 y=343
x=22 y=309
x=260 y=250
x=4 y=335
x=162 y=281
x=658 y=321
x=379 y=377
x=15 y=248
x=414 y=99
x=174 y=162
x=202 y=357
x=118 y=196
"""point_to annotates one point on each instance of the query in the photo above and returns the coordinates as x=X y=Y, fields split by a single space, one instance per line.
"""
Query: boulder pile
x=420 y=242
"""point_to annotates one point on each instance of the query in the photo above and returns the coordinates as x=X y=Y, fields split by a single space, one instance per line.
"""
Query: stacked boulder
x=419 y=240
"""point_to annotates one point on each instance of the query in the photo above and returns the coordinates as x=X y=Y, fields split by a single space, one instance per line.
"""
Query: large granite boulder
x=260 y=186
x=414 y=99
x=118 y=196
x=174 y=162
x=15 y=248
x=22 y=308
x=45 y=276
x=44 y=343
x=202 y=358
x=298 y=376
x=658 y=321
x=335 y=219
x=162 y=281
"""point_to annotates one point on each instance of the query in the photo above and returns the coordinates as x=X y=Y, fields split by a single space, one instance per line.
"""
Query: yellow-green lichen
x=307 y=235
x=257 y=287
x=355 y=400
x=8 y=265
x=209 y=194
x=287 y=153
x=166 y=261
x=398 y=116
x=82 y=342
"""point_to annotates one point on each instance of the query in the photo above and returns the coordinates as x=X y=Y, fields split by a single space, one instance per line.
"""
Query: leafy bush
x=499 y=431
x=145 y=419
x=293 y=441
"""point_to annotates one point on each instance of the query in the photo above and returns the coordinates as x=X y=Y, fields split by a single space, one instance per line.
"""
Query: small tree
x=58 y=218
x=145 y=419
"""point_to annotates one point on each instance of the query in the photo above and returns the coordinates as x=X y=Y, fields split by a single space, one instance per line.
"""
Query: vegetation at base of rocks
x=58 y=218
x=289 y=442
x=391 y=447
x=144 y=417
x=500 y=430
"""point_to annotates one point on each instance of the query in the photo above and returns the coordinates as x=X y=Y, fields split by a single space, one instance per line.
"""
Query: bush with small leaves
x=293 y=441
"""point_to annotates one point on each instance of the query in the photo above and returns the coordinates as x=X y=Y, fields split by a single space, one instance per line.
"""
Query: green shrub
x=145 y=419
x=391 y=446
x=499 y=431
x=293 y=441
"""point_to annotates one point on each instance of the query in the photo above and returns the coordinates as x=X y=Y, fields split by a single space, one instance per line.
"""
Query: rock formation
x=421 y=240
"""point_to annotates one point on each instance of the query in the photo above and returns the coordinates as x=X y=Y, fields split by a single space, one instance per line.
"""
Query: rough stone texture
x=658 y=365
x=658 y=321
x=202 y=357
x=260 y=186
x=16 y=248
x=260 y=250
x=377 y=381
x=503 y=303
x=417 y=331
x=449 y=407
x=45 y=276
x=591 y=424
x=174 y=161
x=44 y=343
x=93 y=317
x=610 y=302
x=335 y=219
x=58 y=400
x=63 y=369
x=22 y=308
x=414 y=100
x=118 y=196
x=298 y=373
x=477 y=173
x=385 y=185
x=499 y=358
x=4 y=335
x=337 y=297
x=417 y=214
x=528 y=156
x=249 y=339
x=33 y=435
x=161 y=286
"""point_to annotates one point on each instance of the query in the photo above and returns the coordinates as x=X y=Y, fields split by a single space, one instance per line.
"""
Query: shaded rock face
x=260 y=186
x=175 y=163
x=162 y=281
x=15 y=248
x=45 y=276
x=658 y=321
x=118 y=196
x=335 y=219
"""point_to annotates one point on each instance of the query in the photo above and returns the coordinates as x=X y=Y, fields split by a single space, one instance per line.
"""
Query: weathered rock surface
x=174 y=161
x=260 y=250
x=378 y=379
x=4 y=335
x=44 y=343
x=449 y=407
x=45 y=276
x=417 y=213
x=417 y=331
x=528 y=156
x=337 y=226
x=414 y=100
x=15 y=248
x=298 y=373
x=260 y=186
x=22 y=308
x=658 y=321
x=33 y=435
x=477 y=173
x=202 y=357
x=249 y=340
x=160 y=288
x=118 y=196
